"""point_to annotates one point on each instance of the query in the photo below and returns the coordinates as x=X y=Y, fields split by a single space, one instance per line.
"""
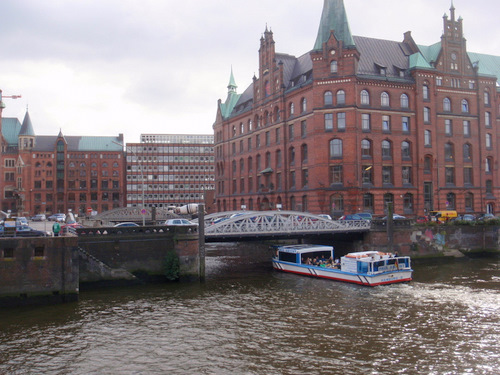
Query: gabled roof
x=487 y=64
x=417 y=60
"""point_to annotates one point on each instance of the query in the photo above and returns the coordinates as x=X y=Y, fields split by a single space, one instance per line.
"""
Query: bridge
x=241 y=225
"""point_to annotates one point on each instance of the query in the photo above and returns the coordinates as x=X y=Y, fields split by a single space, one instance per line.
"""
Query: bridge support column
x=201 y=241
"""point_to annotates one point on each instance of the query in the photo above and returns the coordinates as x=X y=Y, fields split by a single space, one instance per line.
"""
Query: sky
x=104 y=67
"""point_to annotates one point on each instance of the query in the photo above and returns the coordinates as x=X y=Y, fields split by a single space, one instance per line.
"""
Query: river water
x=249 y=319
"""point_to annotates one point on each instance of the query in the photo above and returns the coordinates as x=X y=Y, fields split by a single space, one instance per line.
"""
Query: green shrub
x=171 y=266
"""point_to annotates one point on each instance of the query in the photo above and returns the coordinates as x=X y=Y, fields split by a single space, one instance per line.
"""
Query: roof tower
x=334 y=18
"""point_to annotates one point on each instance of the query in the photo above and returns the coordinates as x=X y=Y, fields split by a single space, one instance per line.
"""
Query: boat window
x=391 y=261
x=288 y=257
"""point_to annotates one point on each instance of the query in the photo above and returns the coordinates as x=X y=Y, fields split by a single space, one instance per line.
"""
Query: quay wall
x=38 y=270
x=136 y=253
x=435 y=240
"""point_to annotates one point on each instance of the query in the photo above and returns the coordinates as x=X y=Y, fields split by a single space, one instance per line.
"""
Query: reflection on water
x=248 y=319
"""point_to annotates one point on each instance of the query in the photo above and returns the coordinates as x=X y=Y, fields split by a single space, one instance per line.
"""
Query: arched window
x=427 y=164
x=104 y=165
x=234 y=166
x=446 y=105
x=405 y=150
x=250 y=164
x=449 y=152
x=489 y=138
x=469 y=202
x=488 y=165
x=465 y=106
x=386 y=149
x=328 y=98
x=268 y=159
x=334 y=66
x=450 y=201
x=340 y=97
x=427 y=115
x=405 y=103
x=426 y=92
x=486 y=98
x=384 y=99
x=366 y=149
x=304 y=154
x=277 y=116
x=292 y=109
x=267 y=88
x=365 y=97
x=291 y=155
x=408 y=203
x=278 y=158
x=336 y=149
x=368 y=202
x=427 y=138
x=467 y=152
x=303 y=105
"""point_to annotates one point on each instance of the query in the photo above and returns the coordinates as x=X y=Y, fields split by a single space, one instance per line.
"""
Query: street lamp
x=143 y=213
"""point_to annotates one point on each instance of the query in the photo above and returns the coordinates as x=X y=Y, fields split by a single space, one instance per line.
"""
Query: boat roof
x=367 y=254
x=304 y=248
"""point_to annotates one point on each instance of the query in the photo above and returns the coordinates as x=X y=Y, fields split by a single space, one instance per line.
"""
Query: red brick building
x=358 y=123
x=49 y=174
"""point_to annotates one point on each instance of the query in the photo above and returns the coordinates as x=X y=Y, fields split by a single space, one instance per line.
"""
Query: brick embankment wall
x=38 y=270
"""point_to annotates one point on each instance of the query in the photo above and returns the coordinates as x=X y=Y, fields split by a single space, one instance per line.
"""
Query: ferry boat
x=369 y=268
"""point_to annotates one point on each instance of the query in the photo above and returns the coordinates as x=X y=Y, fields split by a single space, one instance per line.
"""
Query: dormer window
x=381 y=69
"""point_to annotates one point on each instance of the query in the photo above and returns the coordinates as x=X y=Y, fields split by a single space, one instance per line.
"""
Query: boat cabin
x=300 y=253
x=372 y=262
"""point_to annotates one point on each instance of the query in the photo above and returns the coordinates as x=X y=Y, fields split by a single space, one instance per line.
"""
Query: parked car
x=351 y=217
x=325 y=216
x=395 y=217
x=179 y=222
x=126 y=224
x=57 y=217
x=422 y=219
x=39 y=217
x=468 y=217
x=365 y=215
x=485 y=217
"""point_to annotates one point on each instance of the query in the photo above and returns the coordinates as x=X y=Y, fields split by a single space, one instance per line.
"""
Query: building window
x=365 y=98
x=467 y=176
x=406 y=175
x=305 y=178
x=427 y=138
x=450 y=201
x=426 y=92
x=488 y=165
x=365 y=122
x=304 y=154
x=278 y=136
x=465 y=106
x=278 y=158
x=487 y=119
x=439 y=81
x=387 y=175
x=333 y=67
x=388 y=201
x=448 y=128
x=404 y=101
x=466 y=124
x=368 y=202
x=405 y=150
x=290 y=132
x=427 y=164
x=304 y=105
x=337 y=203
x=367 y=174
x=449 y=153
x=467 y=151
x=405 y=124
x=292 y=109
x=427 y=115
x=408 y=203
x=366 y=149
x=386 y=124
x=446 y=105
x=292 y=180
x=328 y=98
x=336 y=175
x=386 y=150
x=341 y=121
x=384 y=99
x=489 y=187
x=291 y=155
x=488 y=141
x=336 y=149
x=328 y=122
x=268 y=139
x=486 y=98
x=449 y=174
x=469 y=202
x=340 y=97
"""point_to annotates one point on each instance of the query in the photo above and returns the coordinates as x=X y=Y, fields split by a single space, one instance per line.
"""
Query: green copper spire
x=334 y=18
x=232 y=83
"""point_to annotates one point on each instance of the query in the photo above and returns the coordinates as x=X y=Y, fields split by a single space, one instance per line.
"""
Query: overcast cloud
x=103 y=67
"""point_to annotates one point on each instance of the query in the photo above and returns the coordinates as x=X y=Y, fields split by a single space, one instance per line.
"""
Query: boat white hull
x=397 y=276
